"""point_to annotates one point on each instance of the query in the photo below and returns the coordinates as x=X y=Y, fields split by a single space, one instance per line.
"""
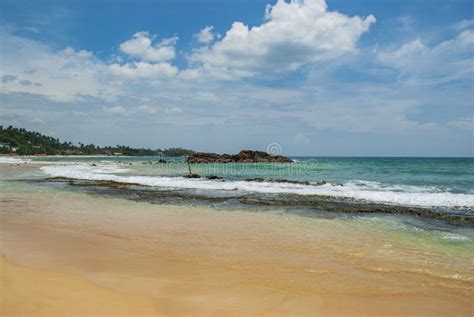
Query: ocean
x=431 y=187
x=423 y=182
x=396 y=227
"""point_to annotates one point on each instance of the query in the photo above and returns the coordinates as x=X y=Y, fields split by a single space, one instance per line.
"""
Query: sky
x=314 y=77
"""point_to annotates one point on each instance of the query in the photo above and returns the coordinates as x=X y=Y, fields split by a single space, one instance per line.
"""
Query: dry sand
x=32 y=292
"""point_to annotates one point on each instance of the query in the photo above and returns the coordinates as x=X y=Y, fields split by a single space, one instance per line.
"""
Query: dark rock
x=193 y=176
x=93 y=164
x=244 y=156
x=288 y=181
x=321 y=183
x=214 y=177
x=162 y=161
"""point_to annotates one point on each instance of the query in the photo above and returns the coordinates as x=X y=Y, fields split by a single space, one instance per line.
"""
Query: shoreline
x=198 y=261
x=72 y=155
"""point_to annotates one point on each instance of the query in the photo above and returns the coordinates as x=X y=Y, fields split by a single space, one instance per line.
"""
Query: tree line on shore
x=24 y=142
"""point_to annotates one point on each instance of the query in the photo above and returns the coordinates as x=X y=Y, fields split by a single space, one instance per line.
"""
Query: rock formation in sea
x=244 y=156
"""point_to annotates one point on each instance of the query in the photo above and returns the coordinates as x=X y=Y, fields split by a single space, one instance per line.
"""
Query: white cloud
x=323 y=103
x=294 y=33
x=419 y=63
x=64 y=75
x=148 y=109
x=170 y=110
x=140 y=46
x=205 y=35
x=463 y=123
x=464 y=24
x=155 y=109
x=143 y=70
x=114 y=109
x=70 y=75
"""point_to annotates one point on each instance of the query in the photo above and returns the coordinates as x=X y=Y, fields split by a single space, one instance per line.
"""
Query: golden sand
x=71 y=254
x=33 y=292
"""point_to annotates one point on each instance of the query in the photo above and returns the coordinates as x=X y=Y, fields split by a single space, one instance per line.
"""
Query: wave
x=360 y=190
x=11 y=160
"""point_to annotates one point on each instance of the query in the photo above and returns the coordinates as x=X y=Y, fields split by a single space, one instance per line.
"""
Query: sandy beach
x=69 y=253
x=203 y=158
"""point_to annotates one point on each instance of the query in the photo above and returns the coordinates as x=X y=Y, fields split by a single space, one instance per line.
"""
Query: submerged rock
x=193 y=176
x=214 y=177
x=289 y=181
x=244 y=156
x=277 y=180
x=315 y=203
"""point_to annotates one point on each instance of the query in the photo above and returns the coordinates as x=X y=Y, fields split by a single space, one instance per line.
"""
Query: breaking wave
x=11 y=160
x=421 y=196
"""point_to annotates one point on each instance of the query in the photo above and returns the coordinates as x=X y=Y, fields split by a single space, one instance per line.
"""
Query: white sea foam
x=11 y=160
x=361 y=190
x=454 y=236
x=93 y=171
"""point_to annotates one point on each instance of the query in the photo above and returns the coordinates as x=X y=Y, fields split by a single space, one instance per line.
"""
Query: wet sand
x=75 y=254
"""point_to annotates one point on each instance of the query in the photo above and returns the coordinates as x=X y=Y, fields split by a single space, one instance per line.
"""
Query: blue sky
x=363 y=78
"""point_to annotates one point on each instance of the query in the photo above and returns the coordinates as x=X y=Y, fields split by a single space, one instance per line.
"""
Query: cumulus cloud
x=71 y=75
x=143 y=70
x=294 y=33
x=141 y=46
x=64 y=75
x=205 y=35
x=464 y=24
x=419 y=63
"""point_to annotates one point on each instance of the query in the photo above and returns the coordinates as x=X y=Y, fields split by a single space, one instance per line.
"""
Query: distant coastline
x=72 y=155
x=23 y=142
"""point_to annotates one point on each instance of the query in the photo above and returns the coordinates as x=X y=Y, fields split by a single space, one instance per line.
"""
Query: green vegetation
x=23 y=142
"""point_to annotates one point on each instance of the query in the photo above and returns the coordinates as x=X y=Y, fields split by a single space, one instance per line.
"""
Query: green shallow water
x=415 y=234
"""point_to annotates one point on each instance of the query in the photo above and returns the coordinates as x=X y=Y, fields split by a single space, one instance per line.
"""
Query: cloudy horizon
x=316 y=77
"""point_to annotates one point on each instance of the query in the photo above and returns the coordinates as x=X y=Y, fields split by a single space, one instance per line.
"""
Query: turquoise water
x=432 y=183
x=446 y=184
x=454 y=175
